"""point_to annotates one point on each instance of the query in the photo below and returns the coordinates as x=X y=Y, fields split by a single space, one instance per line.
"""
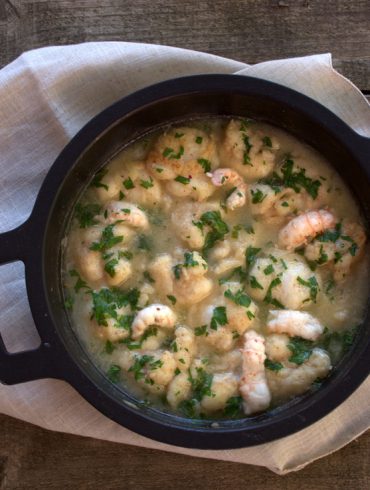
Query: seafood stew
x=216 y=269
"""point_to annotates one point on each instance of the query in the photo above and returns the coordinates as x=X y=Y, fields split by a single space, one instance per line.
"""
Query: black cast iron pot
x=37 y=243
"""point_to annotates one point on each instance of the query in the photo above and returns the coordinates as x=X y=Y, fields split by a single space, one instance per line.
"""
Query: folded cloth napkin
x=46 y=96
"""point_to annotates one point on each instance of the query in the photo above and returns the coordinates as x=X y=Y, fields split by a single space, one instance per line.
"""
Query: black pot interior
x=128 y=128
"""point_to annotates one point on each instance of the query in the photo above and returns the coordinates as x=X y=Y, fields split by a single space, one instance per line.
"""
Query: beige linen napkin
x=46 y=96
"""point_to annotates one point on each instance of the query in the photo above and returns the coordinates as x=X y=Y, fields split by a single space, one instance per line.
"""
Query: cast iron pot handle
x=32 y=364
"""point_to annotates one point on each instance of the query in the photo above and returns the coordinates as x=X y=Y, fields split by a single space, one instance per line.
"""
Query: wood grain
x=249 y=31
x=32 y=458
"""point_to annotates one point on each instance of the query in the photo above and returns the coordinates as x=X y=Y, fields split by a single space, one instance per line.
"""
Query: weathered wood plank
x=34 y=458
x=247 y=31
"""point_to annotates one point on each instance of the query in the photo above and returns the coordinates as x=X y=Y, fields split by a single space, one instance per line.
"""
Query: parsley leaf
x=233 y=407
x=86 y=214
x=80 y=283
x=172 y=299
x=183 y=180
x=198 y=331
x=219 y=317
x=128 y=183
x=97 y=179
x=189 y=260
x=147 y=183
x=206 y=164
x=107 y=240
x=239 y=298
x=301 y=350
x=110 y=267
x=273 y=365
x=171 y=154
x=254 y=283
x=114 y=373
x=266 y=140
x=312 y=284
x=257 y=196
x=218 y=228
x=251 y=255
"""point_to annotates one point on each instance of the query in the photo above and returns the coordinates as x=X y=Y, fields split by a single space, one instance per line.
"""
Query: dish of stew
x=216 y=269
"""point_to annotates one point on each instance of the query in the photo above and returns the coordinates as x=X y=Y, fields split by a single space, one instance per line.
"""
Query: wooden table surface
x=249 y=31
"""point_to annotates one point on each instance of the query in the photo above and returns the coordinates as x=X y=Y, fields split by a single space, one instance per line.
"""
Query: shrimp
x=223 y=176
x=253 y=385
x=180 y=151
x=294 y=323
x=350 y=247
x=129 y=213
x=155 y=314
x=303 y=227
x=185 y=347
x=245 y=150
x=290 y=381
x=191 y=286
x=223 y=387
x=344 y=249
x=277 y=347
x=179 y=389
x=288 y=282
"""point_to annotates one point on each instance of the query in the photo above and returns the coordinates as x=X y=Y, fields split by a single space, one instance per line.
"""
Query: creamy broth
x=216 y=269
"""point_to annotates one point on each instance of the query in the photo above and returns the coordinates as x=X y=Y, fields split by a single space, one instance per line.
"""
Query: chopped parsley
x=239 y=271
x=85 y=214
x=142 y=365
x=147 y=183
x=239 y=298
x=266 y=140
x=198 y=140
x=80 y=283
x=268 y=270
x=68 y=303
x=201 y=385
x=297 y=180
x=183 y=180
x=110 y=267
x=189 y=260
x=248 y=147
x=218 y=228
x=198 y=331
x=219 y=317
x=331 y=235
x=254 y=283
x=323 y=257
x=107 y=240
x=301 y=350
x=206 y=164
x=251 y=255
x=268 y=298
x=114 y=373
x=312 y=284
x=171 y=154
x=97 y=179
x=177 y=271
x=179 y=135
x=257 y=196
x=128 y=183
x=233 y=407
x=172 y=299
x=107 y=301
x=109 y=347
x=148 y=277
x=273 y=365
